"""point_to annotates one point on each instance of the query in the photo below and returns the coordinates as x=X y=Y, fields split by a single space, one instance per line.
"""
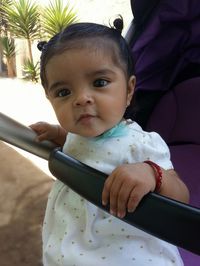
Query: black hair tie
x=118 y=24
x=41 y=45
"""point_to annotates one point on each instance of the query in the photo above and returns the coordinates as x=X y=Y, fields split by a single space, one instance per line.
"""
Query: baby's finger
x=37 y=127
x=114 y=194
x=134 y=199
x=123 y=197
x=37 y=124
x=106 y=189
x=42 y=137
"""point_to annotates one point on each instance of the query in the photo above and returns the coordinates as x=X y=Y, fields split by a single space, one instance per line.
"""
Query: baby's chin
x=88 y=133
x=94 y=134
x=91 y=130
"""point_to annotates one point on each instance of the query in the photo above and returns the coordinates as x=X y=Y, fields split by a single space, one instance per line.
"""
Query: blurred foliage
x=31 y=70
x=23 y=19
x=4 y=17
x=8 y=45
x=56 y=17
x=8 y=48
x=27 y=20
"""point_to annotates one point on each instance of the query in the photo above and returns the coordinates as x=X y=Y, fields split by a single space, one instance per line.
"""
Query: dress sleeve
x=154 y=148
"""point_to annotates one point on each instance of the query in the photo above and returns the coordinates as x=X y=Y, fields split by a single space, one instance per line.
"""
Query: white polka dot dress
x=77 y=233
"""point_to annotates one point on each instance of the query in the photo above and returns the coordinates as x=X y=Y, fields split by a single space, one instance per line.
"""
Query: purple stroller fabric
x=176 y=117
x=167 y=61
x=169 y=43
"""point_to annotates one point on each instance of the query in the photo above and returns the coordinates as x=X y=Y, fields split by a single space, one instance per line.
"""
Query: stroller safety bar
x=167 y=219
x=23 y=137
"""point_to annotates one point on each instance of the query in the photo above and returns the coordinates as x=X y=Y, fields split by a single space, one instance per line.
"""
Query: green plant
x=8 y=45
x=31 y=70
x=23 y=21
x=56 y=17
x=4 y=17
x=8 y=48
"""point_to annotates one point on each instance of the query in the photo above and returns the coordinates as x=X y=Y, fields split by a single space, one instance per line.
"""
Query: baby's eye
x=100 y=83
x=63 y=93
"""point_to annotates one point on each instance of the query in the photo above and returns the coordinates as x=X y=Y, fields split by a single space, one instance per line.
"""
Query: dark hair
x=77 y=34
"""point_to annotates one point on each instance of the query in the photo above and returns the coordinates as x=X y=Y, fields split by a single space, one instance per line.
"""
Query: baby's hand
x=45 y=131
x=126 y=186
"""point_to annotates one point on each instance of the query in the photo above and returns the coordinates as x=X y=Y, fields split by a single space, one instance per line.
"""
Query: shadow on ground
x=24 y=190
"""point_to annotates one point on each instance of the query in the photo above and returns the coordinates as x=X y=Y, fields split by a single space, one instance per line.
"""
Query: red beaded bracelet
x=158 y=173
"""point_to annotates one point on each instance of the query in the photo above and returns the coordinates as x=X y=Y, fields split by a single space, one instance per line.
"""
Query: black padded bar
x=165 y=218
x=169 y=220
x=21 y=136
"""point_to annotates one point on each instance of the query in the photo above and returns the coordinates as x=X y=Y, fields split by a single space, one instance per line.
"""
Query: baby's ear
x=130 y=89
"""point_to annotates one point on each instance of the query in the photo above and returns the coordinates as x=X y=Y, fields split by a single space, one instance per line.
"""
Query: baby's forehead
x=93 y=43
x=103 y=46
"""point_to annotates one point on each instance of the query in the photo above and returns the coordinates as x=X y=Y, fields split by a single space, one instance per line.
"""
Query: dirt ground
x=23 y=195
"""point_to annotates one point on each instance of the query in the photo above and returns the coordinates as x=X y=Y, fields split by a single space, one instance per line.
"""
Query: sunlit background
x=24 y=188
x=24 y=100
x=100 y=11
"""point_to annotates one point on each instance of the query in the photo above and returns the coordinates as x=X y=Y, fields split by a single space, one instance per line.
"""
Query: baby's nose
x=83 y=99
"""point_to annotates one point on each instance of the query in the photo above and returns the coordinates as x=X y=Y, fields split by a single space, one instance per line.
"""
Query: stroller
x=164 y=41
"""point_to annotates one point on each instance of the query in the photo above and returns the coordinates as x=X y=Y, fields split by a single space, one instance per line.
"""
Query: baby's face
x=87 y=90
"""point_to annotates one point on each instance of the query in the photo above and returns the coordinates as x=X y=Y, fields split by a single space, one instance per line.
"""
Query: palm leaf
x=8 y=46
x=56 y=17
x=31 y=70
x=3 y=16
x=23 y=19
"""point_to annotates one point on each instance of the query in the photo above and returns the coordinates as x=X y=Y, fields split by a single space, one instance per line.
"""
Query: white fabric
x=77 y=233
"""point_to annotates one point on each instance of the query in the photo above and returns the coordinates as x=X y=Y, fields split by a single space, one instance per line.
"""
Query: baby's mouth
x=85 y=118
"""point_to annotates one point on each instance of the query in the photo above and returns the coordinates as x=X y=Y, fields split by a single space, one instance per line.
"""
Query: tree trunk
x=30 y=50
x=10 y=67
